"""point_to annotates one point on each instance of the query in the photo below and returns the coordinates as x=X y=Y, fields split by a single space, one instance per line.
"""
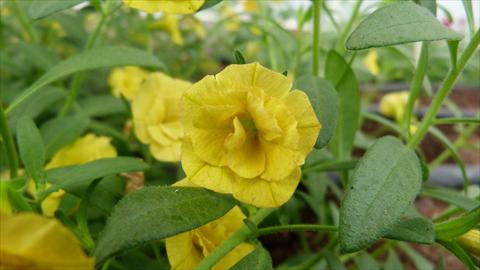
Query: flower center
x=249 y=125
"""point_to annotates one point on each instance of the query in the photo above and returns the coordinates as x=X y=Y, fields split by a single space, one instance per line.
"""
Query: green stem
x=317 y=6
x=296 y=227
x=415 y=87
x=24 y=21
x=10 y=149
x=237 y=238
x=330 y=166
x=343 y=37
x=456 y=120
x=271 y=53
x=444 y=91
x=312 y=261
x=467 y=6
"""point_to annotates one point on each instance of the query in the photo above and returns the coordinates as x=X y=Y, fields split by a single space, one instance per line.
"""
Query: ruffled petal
x=280 y=161
x=169 y=153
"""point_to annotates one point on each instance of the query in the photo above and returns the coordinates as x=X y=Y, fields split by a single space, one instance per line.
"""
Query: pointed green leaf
x=257 y=259
x=453 y=228
x=415 y=230
x=382 y=187
x=459 y=252
x=398 y=23
x=450 y=196
x=334 y=262
x=30 y=146
x=42 y=8
x=393 y=262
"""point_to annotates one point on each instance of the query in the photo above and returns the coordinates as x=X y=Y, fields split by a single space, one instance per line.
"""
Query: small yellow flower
x=233 y=20
x=126 y=81
x=394 y=104
x=471 y=241
x=371 y=61
x=250 y=6
x=197 y=27
x=247 y=134
x=168 y=6
x=58 y=28
x=30 y=241
x=156 y=115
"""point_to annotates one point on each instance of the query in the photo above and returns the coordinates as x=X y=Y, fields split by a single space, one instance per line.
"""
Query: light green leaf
x=393 y=262
x=30 y=146
x=459 y=252
x=257 y=259
x=366 y=261
x=450 y=196
x=382 y=187
x=398 y=23
x=42 y=8
x=431 y=5
x=418 y=260
x=102 y=57
x=340 y=75
x=38 y=56
x=453 y=228
x=154 y=213
x=415 y=230
x=334 y=262
x=325 y=103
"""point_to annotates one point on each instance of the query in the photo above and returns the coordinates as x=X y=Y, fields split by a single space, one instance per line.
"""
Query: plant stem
x=467 y=6
x=317 y=6
x=343 y=37
x=415 y=87
x=296 y=227
x=9 y=145
x=237 y=238
x=444 y=91
x=456 y=120
x=24 y=21
x=330 y=166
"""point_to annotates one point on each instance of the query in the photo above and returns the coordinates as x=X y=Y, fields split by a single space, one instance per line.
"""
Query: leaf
x=75 y=179
x=383 y=185
x=334 y=262
x=239 y=59
x=398 y=23
x=416 y=230
x=102 y=105
x=257 y=259
x=325 y=103
x=459 y=252
x=393 y=262
x=453 y=228
x=42 y=8
x=209 y=4
x=59 y=132
x=154 y=213
x=340 y=75
x=450 y=196
x=37 y=55
x=101 y=57
x=431 y=5
x=366 y=261
x=418 y=260
x=30 y=146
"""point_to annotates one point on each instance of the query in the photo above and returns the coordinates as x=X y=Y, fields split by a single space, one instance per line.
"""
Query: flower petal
x=169 y=153
x=280 y=161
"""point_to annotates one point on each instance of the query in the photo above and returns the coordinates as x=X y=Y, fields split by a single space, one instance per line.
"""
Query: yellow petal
x=280 y=161
x=51 y=203
x=181 y=252
x=371 y=61
x=264 y=119
x=170 y=153
x=169 y=6
x=33 y=242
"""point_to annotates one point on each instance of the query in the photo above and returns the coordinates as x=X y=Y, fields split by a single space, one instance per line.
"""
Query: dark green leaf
x=365 y=261
x=102 y=105
x=154 y=213
x=383 y=186
x=450 y=196
x=42 y=8
x=239 y=59
x=30 y=146
x=416 y=230
x=397 y=24
x=259 y=259
x=340 y=75
x=209 y=3
x=325 y=103
x=459 y=252
x=393 y=262
x=37 y=55
x=334 y=262
x=453 y=228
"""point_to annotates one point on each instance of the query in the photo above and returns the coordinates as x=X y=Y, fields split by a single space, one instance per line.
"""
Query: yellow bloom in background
x=394 y=104
x=197 y=27
x=250 y=6
x=168 y=6
x=30 y=241
x=126 y=81
x=247 y=134
x=232 y=23
x=85 y=149
x=371 y=61
x=471 y=241
x=156 y=115
x=170 y=24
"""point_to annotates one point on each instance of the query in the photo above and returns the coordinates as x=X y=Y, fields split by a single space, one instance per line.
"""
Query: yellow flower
x=233 y=20
x=32 y=242
x=156 y=115
x=393 y=105
x=371 y=61
x=247 y=134
x=85 y=149
x=126 y=81
x=250 y=6
x=170 y=24
x=168 y=6
x=471 y=241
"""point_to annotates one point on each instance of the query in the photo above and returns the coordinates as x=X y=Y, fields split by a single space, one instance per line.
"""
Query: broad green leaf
x=450 y=196
x=42 y=8
x=102 y=57
x=366 y=261
x=431 y=5
x=459 y=252
x=257 y=259
x=393 y=262
x=154 y=213
x=416 y=230
x=398 y=23
x=75 y=179
x=382 y=187
x=334 y=262
x=418 y=260
x=325 y=103
x=340 y=75
x=102 y=105
x=59 y=132
x=209 y=4
x=38 y=56
x=453 y=228
x=30 y=146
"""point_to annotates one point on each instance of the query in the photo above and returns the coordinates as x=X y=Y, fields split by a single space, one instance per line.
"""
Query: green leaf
x=334 y=262
x=239 y=59
x=101 y=57
x=431 y=5
x=416 y=230
x=393 y=262
x=102 y=105
x=453 y=228
x=209 y=4
x=450 y=196
x=330 y=166
x=59 y=132
x=365 y=261
x=383 y=186
x=38 y=56
x=398 y=23
x=325 y=103
x=154 y=213
x=459 y=252
x=30 y=146
x=75 y=178
x=339 y=73
x=418 y=260
x=42 y=8
x=257 y=259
